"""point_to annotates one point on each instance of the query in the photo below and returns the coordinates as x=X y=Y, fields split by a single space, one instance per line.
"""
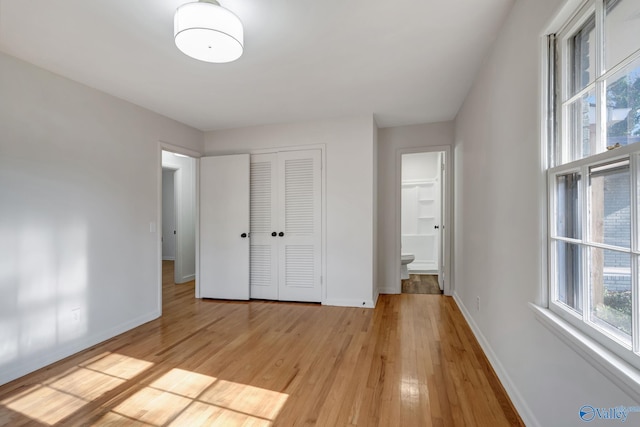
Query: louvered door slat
x=263 y=257
x=299 y=253
x=261 y=197
x=299 y=196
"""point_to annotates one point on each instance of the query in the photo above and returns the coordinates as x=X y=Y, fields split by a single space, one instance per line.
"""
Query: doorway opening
x=423 y=218
x=178 y=217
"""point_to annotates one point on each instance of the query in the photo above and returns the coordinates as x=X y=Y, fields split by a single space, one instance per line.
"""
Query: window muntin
x=594 y=178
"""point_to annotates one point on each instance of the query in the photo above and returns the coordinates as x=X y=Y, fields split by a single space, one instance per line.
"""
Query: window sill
x=606 y=362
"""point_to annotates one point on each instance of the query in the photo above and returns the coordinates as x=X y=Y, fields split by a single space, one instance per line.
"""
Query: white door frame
x=447 y=216
x=165 y=146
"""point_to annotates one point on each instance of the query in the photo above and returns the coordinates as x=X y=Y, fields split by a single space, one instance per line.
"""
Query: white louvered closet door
x=264 y=222
x=299 y=249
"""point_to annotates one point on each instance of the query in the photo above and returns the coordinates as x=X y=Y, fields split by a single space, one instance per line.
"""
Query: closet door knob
x=274 y=234
x=281 y=234
x=243 y=235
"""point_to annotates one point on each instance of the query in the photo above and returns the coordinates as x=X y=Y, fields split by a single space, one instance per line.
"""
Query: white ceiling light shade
x=206 y=31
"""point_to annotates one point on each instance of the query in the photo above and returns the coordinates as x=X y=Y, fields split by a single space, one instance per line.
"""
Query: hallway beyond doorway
x=421 y=284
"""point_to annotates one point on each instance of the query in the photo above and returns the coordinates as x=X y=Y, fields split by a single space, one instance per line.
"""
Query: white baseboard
x=521 y=406
x=31 y=364
x=168 y=258
x=350 y=303
x=389 y=290
x=423 y=271
x=188 y=278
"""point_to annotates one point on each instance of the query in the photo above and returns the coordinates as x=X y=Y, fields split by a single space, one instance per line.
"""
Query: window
x=594 y=174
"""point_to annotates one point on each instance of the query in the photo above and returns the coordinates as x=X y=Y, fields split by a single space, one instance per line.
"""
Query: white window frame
x=581 y=321
x=612 y=357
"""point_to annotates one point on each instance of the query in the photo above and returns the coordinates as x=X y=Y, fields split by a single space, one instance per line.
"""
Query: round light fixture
x=206 y=31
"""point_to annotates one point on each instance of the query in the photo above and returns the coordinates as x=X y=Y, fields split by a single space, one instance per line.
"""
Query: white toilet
x=405 y=260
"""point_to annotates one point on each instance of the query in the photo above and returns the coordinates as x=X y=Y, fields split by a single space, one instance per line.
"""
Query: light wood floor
x=412 y=361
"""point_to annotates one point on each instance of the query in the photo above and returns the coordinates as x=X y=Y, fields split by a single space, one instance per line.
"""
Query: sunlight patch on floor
x=177 y=398
x=182 y=398
x=61 y=396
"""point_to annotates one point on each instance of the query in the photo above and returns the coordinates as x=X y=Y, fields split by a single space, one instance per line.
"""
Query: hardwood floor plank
x=412 y=361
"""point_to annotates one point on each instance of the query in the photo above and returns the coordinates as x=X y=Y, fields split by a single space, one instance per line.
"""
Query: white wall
x=168 y=215
x=390 y=140
x=185 y=196
x=349 y=194
x=75 y=235
x=499 y=235
x=420 y=166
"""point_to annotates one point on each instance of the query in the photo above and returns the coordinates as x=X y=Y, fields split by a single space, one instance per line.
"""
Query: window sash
x=628 y=349
x=564 y=149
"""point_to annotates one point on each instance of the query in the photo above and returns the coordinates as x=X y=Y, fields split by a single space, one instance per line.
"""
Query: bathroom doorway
x=423 y=213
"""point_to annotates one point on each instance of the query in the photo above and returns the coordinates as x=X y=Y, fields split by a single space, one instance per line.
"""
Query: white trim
x=447 y=201
x=518 y=401
x=166 y=146
x=616 y=369
x=424 y=272
x=185 y=279
x=288 y=148
x=159 y=225
x=355 y=303
x=179 y=150
x=197 y=277
x=388 y=289
x=543 y=189
x=48 y=358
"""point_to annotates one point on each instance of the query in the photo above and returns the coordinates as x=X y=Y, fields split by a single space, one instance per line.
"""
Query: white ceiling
x=405 y=61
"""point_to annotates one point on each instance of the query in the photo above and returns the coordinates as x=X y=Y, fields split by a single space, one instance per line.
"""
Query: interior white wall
x=390 y=140
x=349 y=146
x=499 y=234
x=75 y=234
x=185 y=197
x=168 y=215
x=420 y=166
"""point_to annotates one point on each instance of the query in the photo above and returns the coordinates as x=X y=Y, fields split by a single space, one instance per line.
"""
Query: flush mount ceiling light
x=206 y=31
